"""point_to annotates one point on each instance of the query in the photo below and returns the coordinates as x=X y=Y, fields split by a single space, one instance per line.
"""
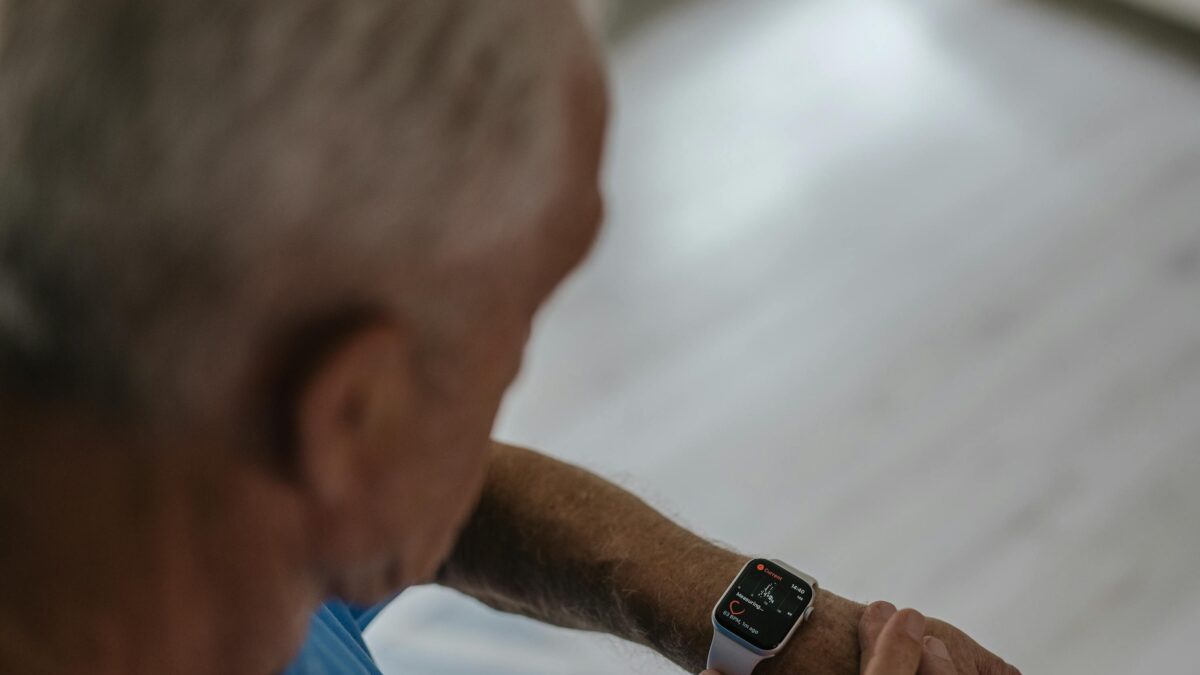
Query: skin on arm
x=556 y=543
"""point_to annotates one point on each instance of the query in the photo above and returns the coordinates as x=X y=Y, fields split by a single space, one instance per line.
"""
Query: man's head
x=286 y=254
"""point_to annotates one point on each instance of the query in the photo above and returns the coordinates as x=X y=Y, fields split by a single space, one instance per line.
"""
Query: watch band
x=730 y=658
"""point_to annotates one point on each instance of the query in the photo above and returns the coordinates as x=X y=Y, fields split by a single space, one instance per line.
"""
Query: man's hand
x=970 y=658
x=894 y=643
x=946 y=649
x=829 y=644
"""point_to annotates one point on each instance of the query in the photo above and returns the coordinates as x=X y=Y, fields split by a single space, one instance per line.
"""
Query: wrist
x=676 y=621
x=826 y=644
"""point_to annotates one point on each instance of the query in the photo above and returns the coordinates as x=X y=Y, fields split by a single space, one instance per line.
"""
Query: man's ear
x=349 y=412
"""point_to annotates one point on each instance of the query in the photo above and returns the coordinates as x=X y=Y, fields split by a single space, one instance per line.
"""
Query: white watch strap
x=729 y=657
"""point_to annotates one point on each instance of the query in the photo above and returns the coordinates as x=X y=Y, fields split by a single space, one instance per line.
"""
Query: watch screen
x=763 y=604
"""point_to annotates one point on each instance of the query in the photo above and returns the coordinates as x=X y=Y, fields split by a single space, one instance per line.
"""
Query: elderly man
x=266 y=269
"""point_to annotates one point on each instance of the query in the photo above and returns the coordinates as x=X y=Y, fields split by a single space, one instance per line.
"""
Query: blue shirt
x=335 y=644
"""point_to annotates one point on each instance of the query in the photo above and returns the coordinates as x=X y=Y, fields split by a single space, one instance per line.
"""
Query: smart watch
x=758 y=614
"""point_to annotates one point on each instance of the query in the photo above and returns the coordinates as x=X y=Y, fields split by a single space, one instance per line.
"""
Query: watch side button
x=807 y=613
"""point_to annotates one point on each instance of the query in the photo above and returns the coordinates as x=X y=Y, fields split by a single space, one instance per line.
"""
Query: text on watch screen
x=763 y=604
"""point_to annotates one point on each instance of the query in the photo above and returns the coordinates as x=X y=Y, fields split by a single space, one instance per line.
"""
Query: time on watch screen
x=763 y=604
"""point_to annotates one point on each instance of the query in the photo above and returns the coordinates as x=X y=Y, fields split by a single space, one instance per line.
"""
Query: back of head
x=183 y=181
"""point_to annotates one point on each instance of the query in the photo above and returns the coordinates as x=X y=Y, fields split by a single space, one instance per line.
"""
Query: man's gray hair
x=173 y=172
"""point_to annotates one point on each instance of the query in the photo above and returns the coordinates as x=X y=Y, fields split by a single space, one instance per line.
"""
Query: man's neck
x=126 y=559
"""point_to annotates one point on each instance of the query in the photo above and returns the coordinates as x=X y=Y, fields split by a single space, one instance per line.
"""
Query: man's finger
x=874 y=618
x=936 y=660
x=990 y=664
x=900 y=645
x=710 y=672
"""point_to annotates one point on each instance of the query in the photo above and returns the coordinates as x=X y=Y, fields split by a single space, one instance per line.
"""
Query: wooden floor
x=918 y=279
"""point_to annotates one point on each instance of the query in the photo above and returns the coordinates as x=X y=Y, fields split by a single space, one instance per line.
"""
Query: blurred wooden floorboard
x=922 y=279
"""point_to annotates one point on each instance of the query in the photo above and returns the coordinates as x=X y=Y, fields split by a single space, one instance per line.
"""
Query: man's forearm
x=556 y=543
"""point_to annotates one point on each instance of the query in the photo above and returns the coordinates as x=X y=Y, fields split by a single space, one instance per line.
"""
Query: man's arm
x=556 y=543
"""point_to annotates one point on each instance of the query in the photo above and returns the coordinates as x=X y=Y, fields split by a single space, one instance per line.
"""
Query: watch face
x=764 y=604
